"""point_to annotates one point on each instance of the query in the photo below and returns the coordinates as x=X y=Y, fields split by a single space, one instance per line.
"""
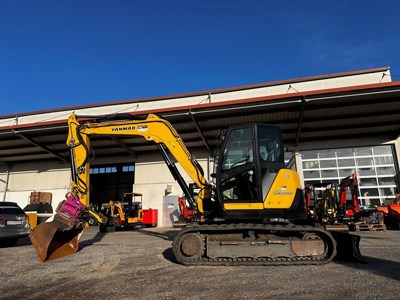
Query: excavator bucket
x=54 y=240
x=348 y=247
x=60 y=237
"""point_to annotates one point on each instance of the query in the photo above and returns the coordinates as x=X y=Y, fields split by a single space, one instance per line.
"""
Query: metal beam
x=196 y=124
x=300 y=122
x=6 y=165
x=124 y=146
x=43 y=147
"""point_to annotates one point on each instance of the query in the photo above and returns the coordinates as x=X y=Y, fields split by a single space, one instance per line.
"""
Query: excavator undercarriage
x=253 y=244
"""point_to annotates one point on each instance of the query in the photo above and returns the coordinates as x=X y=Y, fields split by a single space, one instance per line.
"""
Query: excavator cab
x=251 y=176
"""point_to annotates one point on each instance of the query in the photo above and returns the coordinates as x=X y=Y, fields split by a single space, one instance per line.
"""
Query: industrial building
x=332 y=125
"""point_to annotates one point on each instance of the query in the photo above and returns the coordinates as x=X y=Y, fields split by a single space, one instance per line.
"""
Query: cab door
x=250 y=158
x=237 y=180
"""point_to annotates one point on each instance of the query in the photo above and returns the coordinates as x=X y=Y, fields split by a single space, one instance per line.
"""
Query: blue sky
x=55 y=54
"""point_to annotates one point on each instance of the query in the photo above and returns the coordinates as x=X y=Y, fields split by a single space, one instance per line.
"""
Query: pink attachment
x=71 y=209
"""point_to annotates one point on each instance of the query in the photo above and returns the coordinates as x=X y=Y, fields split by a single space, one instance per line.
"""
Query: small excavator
x=121 y=217
x=252 y=213
x=331 y=204
x=185 y=213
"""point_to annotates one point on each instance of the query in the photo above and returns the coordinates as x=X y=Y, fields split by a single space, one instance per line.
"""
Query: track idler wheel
x=191 y=245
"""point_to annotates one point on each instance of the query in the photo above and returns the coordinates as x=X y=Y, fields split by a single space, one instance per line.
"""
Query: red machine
x=349 y=207
x=150 y=217
x=185 y=213
x=391 y=214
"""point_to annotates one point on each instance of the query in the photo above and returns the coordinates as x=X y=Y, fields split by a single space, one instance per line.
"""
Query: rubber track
x=226 y=228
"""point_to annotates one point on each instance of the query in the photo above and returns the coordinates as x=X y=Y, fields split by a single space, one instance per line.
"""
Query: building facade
x=353 y=114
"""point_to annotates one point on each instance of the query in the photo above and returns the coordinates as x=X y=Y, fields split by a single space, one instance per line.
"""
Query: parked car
x=14 y=223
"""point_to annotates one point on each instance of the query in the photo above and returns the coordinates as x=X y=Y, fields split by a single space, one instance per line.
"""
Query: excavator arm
x=153 y=129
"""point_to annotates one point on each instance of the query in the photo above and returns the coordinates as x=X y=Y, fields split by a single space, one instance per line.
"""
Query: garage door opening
x=110 y=182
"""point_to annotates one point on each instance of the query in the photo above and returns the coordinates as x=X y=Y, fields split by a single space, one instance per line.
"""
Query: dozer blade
x=348 y=247
x=54 y=240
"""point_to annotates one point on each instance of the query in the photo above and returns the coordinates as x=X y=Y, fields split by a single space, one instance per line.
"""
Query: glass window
x=128 y=168
x=330 y=153
x=382 y=150
x=345 y=172
x=387 y=181
x=373 y=165
x=328 y=163
x=363 y=151
x=369 y=192
x=366 y=171
x=10 y=209
x=239 y=148
x=111 y=169
x=385 y=171
x=387 y=192
x=310 y=164
x=345 y=152
x=311 y=174
x=269 y=141
x=329 y=173
x=241 y=187
x=367 y=181
x=383 y=160
x=348 y=162
x=309 y=154
x=365 y=161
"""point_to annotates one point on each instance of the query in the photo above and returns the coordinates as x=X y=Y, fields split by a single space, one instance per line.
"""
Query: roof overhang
x=351 y=113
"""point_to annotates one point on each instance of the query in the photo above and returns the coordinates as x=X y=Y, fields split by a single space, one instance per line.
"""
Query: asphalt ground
x=140 y=265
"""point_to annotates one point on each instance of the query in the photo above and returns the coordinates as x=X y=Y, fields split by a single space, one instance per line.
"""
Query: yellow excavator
x=120 y=217
x=252 y=213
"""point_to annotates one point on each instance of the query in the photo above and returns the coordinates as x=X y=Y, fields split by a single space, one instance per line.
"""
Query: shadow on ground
x=378 y=266
x=167 y=235
x=97 y=238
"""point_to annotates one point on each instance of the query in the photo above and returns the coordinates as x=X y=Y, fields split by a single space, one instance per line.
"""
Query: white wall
x=152 y=179
x=25 y=178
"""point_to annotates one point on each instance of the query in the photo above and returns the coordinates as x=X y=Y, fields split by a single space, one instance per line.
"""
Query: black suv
x=14 y=223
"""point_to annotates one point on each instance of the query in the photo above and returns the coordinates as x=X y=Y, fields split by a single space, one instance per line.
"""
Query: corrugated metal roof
x=348 y=113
